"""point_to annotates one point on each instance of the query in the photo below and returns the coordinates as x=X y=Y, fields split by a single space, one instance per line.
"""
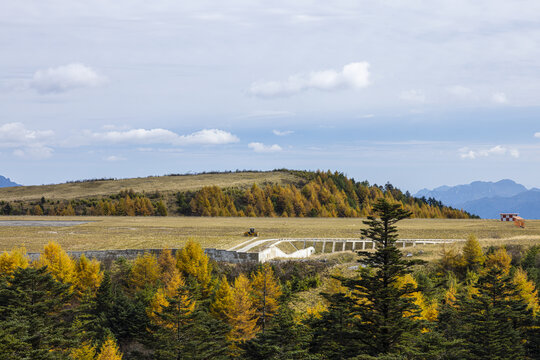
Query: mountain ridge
x=488 y=199
x=6 y=182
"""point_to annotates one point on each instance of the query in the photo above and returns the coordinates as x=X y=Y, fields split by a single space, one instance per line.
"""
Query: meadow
x=163 y=184
x=218 y=232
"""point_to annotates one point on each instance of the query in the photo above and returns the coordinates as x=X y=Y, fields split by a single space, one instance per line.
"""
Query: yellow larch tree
x=58 y=262
x=109 y=350
x=265 y=293
x=160 y=301
x=527 y=291
x=84 y=352
x=168 y=272
x=9 y=261
x=192 y=261
x=499 y=259
x=472 y=253
x=144 y=272
x=88 y=276
x=242 y=317
x=223 y=300
x=428 y=311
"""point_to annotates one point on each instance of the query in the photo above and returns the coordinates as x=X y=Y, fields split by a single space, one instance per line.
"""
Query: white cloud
x=16 y=134
x=208 y=137
x=26 y=143
x=34 y=152
x=163 y=136
x=114 y=158
x=499 y=98
x=497 y=150
x=537 y=135
x=459 y=91
x=282 y=133
x=261 y=148
x=353 y=75
x=414 y=96
x=65 y=78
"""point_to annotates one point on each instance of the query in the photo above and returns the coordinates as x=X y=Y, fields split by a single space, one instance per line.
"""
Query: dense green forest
x=469 y=304
x=320 y=194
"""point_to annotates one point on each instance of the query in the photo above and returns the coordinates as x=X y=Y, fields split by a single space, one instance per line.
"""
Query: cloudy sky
x=418 y=93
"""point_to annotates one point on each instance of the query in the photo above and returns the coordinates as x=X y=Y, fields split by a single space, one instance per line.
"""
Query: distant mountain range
x=6 y=182
x=489 y=199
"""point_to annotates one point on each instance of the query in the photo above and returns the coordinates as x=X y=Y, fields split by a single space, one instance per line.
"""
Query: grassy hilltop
x=163 y=184
x=279 y=193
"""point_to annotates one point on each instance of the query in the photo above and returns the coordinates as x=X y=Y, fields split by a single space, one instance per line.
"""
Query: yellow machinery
x=251 y=232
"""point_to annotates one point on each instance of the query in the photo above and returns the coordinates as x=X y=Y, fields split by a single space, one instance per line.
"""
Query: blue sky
x=418 y=93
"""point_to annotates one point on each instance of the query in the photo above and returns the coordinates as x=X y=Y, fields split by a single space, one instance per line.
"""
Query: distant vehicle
x=251 y=232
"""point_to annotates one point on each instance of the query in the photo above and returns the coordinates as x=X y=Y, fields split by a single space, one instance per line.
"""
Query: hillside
x=6 y=182
x=281 y=193
x=163 y=184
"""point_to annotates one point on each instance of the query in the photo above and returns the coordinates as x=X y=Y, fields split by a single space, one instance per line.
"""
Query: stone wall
x=107 y=257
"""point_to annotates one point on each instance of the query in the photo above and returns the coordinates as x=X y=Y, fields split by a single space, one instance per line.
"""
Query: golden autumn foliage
x=242 y=315
x=192 y=261
x=185 y=304
x=500 y=260
x=265 y=291
x=11 y=260
x=326 y=194
x=144 y=272
x=86 y=351
x=527 y=291
x=88 y=276
x=315 y=311
x=428 y=311
x=472 y=253
x=451 y=260
x=109 y=351
x=158 y=302
x=223 y=300
x=58 y=263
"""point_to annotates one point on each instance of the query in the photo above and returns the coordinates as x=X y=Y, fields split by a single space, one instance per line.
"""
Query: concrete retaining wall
x=107 y=257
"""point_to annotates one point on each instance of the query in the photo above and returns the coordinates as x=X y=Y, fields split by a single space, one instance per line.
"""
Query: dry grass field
x=164 y=184
x=159 y=232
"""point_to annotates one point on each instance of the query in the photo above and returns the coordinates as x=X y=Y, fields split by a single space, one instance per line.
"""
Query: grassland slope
x=163 y=184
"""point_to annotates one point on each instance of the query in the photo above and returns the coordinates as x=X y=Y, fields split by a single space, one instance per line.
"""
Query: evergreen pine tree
x=33 y=315
x=381 y=305
x=491 y=321
x=285 y=339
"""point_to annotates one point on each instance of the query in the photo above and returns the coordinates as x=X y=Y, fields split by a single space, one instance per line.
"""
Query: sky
x=417 y=93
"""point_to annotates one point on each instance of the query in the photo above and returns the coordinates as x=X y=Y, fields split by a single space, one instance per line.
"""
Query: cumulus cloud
x=537 y=135
x=114 y=158
x=261 y=148
x=16 y=134
x=459 y=91
x=499 y=98
x=282 y=133
x=414 y=96
x=497 y=150
x=26 y=143
x=353 y=75
x=65 y=78
x=163 y=136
